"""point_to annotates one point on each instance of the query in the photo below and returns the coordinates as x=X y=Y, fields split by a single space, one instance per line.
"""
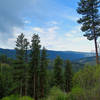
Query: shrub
x=56 y=94
x=12 y=97
x=85 y=78
x=76 y=94
x=25 y=98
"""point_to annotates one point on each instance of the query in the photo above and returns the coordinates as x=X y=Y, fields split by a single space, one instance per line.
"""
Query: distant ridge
x=71 y=55
x=87 y=60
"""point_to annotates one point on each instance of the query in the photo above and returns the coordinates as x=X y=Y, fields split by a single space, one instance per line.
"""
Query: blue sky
x=54 y=20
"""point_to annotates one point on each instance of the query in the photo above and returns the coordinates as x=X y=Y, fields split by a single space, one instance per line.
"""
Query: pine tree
x=20 y=47
x=26 y=60
x=34 y=67
x=3 y=59
x=19 y=65
x=57 y=71
x=90 y=20
x=43 y=73
x=5 y=79
x=68 y=76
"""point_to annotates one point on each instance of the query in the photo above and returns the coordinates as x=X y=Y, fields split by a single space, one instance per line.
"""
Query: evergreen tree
x=26 y=59
x=57 y=71
x=20 y=47
x=43 y=73
x=3 y=58
x=68 y=76
x=6 y=83
x=35 y=65
x=19 y=66
x=90 y=20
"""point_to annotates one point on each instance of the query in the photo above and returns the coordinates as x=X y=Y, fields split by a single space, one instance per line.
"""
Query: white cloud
x=72 y=18
x=69 y=35
x=52 y=23
x=47 y=35
x=75 y=31
x=38 y=30
x=27 y=22
x=51 y=39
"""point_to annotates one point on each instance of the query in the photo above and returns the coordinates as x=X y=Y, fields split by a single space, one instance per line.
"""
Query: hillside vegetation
x=86 y=86
x=33 y=76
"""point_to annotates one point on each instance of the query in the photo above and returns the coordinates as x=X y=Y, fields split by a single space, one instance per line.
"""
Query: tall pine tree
x=19 y=65
x=35 y=65
x=20 y=47
x=26 y=60
x=68 y=76
x=57 y=71
x=89 y=9
x=43 y=73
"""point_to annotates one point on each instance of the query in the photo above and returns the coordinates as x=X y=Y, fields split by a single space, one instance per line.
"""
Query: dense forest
x=29 y=76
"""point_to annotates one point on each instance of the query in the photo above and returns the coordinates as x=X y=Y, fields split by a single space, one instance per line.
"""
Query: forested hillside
x=33 y=75
x=71 y=55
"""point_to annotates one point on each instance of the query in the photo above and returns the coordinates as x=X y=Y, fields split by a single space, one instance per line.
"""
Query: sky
x=55 y=21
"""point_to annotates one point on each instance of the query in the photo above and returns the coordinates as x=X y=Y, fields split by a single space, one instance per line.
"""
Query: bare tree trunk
x=42 y=94
x=41 y=88
x=96 y=49
x=26 y=85
x=21 y=88
x=34 y=86
x=95 y=41
x=1 y=67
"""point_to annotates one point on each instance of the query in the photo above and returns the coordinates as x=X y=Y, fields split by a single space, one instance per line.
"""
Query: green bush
x=12 y=97
x=25 y=98
x=88 y=80
x=85 y=78
x=56 y=94
x=76 y=94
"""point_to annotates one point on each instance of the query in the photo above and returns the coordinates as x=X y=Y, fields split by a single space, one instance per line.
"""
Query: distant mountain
x=8 y=52
x=71 y=55
x=87 y=60
x=79 y=59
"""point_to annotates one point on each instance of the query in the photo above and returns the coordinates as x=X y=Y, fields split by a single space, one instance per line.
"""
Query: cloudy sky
x=54 y=20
